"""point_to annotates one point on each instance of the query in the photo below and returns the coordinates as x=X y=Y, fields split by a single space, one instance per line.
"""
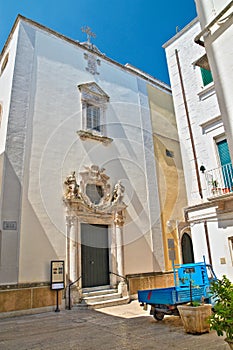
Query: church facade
x=90 y=170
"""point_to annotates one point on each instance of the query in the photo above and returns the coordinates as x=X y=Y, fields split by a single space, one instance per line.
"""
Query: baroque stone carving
x=72 y=188
x=118 y=193
x=94 y=193
x=119 y=219
x=91 y=92
x=92 y=63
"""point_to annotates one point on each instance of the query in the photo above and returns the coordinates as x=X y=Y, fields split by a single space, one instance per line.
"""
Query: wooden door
x=95 y=255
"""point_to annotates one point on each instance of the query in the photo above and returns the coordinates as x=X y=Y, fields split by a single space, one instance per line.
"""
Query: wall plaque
x=9 y=225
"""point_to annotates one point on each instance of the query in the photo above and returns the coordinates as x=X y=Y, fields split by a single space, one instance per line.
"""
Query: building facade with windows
x=216 y=36
x=205 y=142
x=90 y=169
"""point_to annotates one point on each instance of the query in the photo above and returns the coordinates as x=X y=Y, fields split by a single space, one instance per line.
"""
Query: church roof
x=90 y=47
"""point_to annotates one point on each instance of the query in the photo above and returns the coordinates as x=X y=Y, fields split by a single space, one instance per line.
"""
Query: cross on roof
x=89 y=33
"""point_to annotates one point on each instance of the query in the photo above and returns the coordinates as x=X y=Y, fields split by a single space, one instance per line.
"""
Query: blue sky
x=128 y=31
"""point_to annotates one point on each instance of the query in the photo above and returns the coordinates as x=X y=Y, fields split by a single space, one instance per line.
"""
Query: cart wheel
x=158 y=315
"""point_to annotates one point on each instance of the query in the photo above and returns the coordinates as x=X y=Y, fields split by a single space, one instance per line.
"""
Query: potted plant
x=195 y=314
x=215 y=188
x=222 y=319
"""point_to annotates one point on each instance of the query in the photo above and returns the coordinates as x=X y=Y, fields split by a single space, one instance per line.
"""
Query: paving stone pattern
x=119 y=327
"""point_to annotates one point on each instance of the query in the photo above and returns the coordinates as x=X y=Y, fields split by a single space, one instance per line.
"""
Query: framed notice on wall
x=57 y=274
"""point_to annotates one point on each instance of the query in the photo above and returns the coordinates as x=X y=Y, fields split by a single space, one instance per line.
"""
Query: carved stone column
x=71 y=252
x=119 y=223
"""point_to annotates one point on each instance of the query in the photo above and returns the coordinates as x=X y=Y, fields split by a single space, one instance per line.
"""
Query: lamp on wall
x=202 y=169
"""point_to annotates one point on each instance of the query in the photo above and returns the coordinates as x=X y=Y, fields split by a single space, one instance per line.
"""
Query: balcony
x=219 y=181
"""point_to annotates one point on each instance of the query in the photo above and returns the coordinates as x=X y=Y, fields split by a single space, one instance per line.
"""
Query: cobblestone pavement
x=119 y=327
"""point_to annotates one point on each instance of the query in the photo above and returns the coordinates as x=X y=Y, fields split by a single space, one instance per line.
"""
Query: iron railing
x=69 y=291
x=123 y=277
x=219 y=181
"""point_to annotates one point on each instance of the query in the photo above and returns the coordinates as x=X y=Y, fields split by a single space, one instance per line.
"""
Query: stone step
x=93 y=293
x=107 y=303
x=100 y=297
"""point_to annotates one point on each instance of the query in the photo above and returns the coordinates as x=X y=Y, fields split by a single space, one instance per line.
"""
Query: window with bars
x=206 y=76
x=94 y=102
x=93 y=118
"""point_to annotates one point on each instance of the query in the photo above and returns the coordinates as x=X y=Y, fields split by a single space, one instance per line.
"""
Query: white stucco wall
x=219 y=244
x=207 y=124
x=219 y=48
x=202 y=107
x=10 y=186
x=44 y=131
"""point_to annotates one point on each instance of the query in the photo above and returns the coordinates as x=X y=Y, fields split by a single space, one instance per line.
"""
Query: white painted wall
x=46 y=125
x=203 y=110
x=219 y=48
x=202 y=106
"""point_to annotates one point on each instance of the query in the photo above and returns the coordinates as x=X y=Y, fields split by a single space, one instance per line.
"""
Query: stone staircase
x=96 y=299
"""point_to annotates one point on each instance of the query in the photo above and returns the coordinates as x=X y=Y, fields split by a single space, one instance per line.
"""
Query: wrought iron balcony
x=219 y=181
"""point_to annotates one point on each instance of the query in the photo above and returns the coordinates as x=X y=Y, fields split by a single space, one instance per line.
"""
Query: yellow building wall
x=169 y=169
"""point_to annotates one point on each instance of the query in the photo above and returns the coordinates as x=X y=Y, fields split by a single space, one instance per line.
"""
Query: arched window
x=187 y=249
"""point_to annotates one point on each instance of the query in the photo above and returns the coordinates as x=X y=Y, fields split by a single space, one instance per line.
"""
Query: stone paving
x=119 y=327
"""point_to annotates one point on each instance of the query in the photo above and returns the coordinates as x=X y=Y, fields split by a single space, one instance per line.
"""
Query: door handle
x=92 y=262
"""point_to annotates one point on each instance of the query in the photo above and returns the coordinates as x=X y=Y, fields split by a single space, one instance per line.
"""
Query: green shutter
x=225 y=160
x=206 y=76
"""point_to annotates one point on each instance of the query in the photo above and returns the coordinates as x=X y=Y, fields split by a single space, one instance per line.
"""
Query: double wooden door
x=94 y=255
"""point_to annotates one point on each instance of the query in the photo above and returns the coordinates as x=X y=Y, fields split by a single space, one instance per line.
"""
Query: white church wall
x=5 y=87
x=56 y=150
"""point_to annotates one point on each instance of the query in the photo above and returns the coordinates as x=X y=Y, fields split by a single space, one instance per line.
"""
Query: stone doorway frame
x=109 y=211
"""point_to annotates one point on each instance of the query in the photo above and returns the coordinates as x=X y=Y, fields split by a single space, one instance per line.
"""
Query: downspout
x=207 y=241
x=189 y=125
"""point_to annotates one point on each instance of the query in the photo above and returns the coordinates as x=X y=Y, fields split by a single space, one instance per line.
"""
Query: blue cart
x=192 y=282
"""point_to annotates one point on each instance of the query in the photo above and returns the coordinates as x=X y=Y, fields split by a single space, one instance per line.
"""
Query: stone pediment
x=93 y=89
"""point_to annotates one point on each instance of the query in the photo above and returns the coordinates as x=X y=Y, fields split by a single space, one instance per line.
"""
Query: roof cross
x=89 y=33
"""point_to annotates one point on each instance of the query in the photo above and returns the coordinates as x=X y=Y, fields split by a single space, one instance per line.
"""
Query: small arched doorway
x=187 y=249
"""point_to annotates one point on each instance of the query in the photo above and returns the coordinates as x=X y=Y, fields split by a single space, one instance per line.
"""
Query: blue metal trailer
x=191 y=284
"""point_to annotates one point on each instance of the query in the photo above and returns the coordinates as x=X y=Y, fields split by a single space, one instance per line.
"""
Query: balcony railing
x=219 y=181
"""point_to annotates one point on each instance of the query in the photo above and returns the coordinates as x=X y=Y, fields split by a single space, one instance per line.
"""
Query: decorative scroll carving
x=72 y=188
x=70 y=220
x=92 y=63
x=84 y=135
x=119 y=219
x=118 y=193
x=92 y=92
x=83 y=197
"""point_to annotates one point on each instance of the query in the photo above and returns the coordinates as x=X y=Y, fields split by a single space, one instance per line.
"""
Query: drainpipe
x=207 y=241
x=189 y=125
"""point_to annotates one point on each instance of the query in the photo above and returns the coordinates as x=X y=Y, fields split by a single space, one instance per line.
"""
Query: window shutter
x=225 y=160
x=206 y=76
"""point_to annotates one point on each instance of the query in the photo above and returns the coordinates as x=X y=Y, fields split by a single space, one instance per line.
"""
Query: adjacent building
x=200 y=94
x=90 y=173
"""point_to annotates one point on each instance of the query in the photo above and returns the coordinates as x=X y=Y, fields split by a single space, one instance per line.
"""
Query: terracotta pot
x=195 y=318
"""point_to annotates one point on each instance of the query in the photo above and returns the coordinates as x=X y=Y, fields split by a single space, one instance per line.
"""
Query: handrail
x=124 y=278
x=69 y=290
